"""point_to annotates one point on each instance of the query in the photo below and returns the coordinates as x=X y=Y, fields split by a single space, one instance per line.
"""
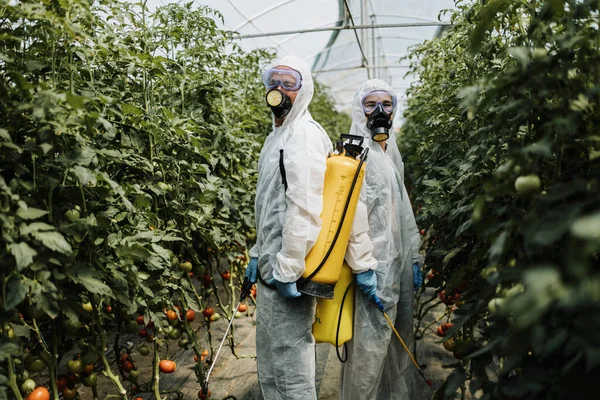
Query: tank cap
x=353 y=149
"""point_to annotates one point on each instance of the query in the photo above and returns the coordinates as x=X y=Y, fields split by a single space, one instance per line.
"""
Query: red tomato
x=69 y=394
x=243 y=307
x=40 y=393
x=208 y=312
x=167 y=366
x=190 y=315
x=140 y=320
x=127 y=366
x=171 y=315
x=61 y=384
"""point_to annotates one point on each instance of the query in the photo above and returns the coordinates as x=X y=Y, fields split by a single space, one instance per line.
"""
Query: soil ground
x=234 y=376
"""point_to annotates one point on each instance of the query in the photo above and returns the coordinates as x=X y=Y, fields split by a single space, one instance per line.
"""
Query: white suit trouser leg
x=285 y=346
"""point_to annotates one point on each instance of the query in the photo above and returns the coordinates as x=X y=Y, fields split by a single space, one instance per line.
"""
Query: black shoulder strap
x=282 y=170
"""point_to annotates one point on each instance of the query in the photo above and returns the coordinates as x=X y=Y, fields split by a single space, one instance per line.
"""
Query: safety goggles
x=288 y=79
x=371 y=100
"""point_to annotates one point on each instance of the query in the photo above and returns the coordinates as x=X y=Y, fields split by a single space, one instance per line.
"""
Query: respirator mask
x=379 y=105
x=288 y=79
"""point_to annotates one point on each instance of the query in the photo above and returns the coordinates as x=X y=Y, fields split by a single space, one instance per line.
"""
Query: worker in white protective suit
x=289 y=200
x=377 y=364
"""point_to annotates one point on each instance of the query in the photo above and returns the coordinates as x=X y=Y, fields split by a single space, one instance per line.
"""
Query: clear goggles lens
x=379 y=97
x=288 y=79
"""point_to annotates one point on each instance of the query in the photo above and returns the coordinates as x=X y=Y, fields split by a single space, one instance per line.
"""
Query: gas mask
x=379 y=123
x=279 y=102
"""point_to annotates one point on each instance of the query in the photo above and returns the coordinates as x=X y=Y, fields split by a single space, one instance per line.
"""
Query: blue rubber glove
x=286 y=289
x=417 y=276
x=252 y=270
x=367 y=283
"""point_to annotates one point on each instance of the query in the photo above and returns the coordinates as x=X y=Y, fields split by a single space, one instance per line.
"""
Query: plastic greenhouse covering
x=345 y=41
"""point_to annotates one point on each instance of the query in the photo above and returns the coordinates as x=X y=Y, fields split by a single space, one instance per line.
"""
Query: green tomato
x=75 y=366
x=175 y=333
x=131 y=326
x=185 y=266
x=163 y=186
x=72 y=215
x=251 y=234
x=134 y=374
x=35 y=363
x=528 y=184
x=28 y=386
x=183 y=343
x=145 y=350
x=90 y=381
x=87 y=306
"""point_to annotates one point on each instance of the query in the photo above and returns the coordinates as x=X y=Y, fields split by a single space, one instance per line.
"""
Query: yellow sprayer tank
x=339 y=178
x=325 y=327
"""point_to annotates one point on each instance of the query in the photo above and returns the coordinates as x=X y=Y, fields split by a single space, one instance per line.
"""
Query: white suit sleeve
x=305 y=156
x=359 y=253
x=253 y=251
x=413 y=230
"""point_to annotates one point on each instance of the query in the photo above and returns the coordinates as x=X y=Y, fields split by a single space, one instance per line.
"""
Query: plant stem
x=12 y=379
x=107 y=371
x=155 y=372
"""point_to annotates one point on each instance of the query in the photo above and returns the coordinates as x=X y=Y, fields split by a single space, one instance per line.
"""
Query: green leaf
x=75 y=101
x=22 y=331
x=161 y=251
x=5 y=135
x=84 y=175
x=521 y=54
x=34 y=227
x=90 y=279
x=54 y=241
x=23 y=254
x=30 y=212
x=7 y=350
x=454 y=381
x=46 y=147
x=16 y=293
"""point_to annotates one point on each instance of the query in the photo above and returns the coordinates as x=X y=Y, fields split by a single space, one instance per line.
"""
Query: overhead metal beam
x=345 y=27
x=358 y=67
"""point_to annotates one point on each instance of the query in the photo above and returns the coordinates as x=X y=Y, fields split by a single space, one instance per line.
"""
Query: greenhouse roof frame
x=345 y=41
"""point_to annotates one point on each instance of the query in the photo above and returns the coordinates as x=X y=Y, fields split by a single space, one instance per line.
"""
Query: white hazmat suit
x=288 y=224
x=377 y=364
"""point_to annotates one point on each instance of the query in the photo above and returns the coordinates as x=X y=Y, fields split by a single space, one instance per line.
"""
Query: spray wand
x=246 y=286
x=380 y=306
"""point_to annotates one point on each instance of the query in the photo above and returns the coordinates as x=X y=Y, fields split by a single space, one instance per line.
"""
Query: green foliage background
x=513 y=89
x=128 y=144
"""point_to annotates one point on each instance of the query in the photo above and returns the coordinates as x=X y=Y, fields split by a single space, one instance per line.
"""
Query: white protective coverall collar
x=287 y=225
x=377 y=365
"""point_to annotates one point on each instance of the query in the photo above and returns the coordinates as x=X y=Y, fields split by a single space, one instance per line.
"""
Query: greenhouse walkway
x=234 y=376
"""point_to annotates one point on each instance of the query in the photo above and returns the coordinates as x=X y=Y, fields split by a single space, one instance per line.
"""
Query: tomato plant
x=502 y=162
x=118 y=159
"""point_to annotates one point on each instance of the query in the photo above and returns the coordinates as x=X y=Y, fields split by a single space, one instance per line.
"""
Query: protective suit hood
x=359 y=123
x=305 y=93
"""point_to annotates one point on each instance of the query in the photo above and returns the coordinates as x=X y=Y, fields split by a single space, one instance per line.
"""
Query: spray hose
x=246 y=286
x=380 y=306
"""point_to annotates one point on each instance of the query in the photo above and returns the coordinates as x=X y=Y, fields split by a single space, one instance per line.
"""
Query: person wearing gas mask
x=377 y=364
x=291 y=173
